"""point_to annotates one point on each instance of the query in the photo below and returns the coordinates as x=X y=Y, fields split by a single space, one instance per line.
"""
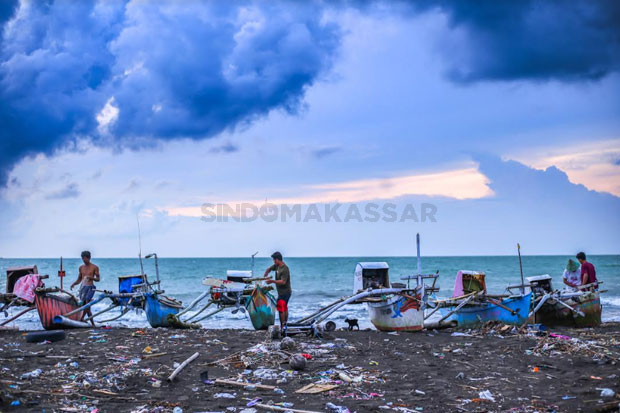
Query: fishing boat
x=391 y=306
x=49 y=302
x=54 y=302
x=158 y=307
x=401 y=311
x=471 y=305
x=240 y=291
x=580 y=308
x=261 y=308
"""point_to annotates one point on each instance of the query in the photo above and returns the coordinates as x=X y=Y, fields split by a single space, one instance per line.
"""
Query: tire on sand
x=40 y=336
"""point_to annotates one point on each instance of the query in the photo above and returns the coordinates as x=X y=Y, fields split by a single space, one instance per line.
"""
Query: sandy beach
x=492 y=369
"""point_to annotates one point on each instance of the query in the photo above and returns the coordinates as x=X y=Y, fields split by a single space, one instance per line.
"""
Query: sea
x=316 y=281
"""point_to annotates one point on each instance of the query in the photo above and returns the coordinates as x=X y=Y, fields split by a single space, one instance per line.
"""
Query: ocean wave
x=613 y=301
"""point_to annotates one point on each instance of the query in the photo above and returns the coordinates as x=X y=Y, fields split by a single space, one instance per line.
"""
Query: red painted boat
x=53 y=303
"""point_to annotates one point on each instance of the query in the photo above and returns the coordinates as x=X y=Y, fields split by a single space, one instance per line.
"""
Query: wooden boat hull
x=396 y=313
x=261 y=308
x=476 y=314
x=50 y=305
x=158 y=308
x=551 y=313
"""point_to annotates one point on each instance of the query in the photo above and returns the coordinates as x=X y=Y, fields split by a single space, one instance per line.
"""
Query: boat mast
x=140 y=246
x=521 y=268
x=252 y=267
x=417 y=241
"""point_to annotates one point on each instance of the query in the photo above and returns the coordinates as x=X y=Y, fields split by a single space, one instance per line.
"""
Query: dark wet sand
x=430 y=371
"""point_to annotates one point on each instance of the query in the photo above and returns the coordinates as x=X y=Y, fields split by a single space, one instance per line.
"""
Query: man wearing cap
x=283 y=286
x=572 y=276
x=87 y=275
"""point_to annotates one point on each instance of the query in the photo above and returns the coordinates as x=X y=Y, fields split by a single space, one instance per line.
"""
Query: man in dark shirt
x=283 y=286
x=588 y=272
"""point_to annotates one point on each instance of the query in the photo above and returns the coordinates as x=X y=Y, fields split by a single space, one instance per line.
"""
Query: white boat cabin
x=238 y=275
x=540 y=284
x=371 y=275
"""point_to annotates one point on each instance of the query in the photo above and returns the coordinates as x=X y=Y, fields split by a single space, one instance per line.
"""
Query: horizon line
x=316 y=256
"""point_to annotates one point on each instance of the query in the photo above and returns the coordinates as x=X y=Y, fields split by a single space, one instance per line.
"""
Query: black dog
x=352 y=323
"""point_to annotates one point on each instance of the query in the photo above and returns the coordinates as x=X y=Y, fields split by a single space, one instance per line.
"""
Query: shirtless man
x=88 y=273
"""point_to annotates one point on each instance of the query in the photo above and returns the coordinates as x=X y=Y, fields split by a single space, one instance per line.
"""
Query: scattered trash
x=204 y=376
x=605 y=392
x=297 y=362
x=336 y=409
x=288 y=344
x=225 y=395
x=486 y=395
x=33 y=374
x=254 y=402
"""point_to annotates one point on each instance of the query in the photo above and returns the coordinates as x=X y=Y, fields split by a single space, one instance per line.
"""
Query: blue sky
x=502 y=115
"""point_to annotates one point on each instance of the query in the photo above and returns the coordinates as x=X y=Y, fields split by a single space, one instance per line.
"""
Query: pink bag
x=25 y=286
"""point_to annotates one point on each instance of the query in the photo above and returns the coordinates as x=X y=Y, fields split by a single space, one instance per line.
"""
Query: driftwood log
x=182 y=366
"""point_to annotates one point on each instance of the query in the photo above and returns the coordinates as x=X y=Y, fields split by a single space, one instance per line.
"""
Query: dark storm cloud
x=531 y=39
x=172 y=69
x=163 y=70
x=7 y=9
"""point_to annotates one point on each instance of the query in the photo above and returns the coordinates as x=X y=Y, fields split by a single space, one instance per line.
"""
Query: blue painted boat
x=477 y=313
x=513 y=309
x=158 y=307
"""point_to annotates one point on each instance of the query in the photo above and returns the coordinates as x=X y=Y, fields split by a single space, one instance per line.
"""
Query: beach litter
x=225 y=396
x=605 y=392
x=486 y=395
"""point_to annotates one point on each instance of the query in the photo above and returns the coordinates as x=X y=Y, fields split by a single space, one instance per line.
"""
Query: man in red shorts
x=283 y=286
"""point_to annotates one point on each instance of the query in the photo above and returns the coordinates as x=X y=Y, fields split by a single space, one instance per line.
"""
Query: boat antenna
x=140 y=246
x=252 y=267
x=521 y=268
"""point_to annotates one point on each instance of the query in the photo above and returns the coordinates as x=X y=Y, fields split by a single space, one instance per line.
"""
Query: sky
x=480 y=123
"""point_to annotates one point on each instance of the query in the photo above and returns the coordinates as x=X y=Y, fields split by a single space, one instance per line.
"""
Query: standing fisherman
x=283 y=286
x=88 y=274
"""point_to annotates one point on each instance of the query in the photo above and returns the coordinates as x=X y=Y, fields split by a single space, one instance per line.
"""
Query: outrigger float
x=391 y=306
x=241 y=292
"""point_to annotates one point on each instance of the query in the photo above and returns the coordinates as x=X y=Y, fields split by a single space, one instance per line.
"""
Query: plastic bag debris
x=336 y=409
x=225 y=396
x=605 y=392
x=486 y=395
x=33 y=374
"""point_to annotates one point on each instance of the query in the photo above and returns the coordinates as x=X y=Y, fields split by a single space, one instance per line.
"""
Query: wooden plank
x=244 y=384
x=314 y=388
